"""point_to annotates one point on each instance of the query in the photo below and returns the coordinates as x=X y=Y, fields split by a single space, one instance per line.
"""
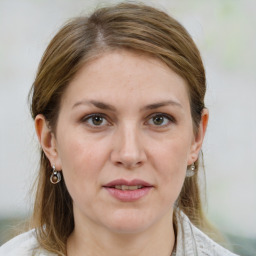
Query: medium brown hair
x=129 y=26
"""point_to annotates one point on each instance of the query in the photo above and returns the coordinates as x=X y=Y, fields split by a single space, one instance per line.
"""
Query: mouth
x=128 y=191
x=123 y=184
x=125 y=187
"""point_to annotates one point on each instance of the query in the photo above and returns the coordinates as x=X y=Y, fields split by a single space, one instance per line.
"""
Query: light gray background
x=224 y=31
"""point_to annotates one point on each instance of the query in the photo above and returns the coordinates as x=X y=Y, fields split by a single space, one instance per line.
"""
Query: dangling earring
x=191 y=170
x=56 y=176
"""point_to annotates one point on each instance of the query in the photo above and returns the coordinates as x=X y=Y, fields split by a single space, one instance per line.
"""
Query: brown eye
x=158 y=120
x=97 y=120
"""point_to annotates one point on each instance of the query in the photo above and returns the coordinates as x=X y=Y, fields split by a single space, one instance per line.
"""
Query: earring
x=56 y=176
x=191 y=170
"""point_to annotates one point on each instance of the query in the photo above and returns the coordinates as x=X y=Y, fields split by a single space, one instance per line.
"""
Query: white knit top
x=190 y=241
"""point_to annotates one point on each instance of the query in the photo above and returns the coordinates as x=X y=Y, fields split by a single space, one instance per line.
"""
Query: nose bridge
x=130 y=139
x=128 y=150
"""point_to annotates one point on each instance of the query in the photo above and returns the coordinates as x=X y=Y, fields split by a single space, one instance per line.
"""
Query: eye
x=160 y=120
x=95 y=120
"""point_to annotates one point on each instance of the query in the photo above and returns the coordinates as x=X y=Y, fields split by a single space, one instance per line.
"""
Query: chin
x=130 y=222
x=126 y=228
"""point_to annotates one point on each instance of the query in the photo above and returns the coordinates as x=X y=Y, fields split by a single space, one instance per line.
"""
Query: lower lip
x=128 y=195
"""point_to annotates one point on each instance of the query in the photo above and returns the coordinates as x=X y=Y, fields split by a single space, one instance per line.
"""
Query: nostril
x=129 y=165
x=139 y=163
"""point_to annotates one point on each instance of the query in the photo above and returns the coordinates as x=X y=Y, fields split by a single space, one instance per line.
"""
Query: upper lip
x=135 y=182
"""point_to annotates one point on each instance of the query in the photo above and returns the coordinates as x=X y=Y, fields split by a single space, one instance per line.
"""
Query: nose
x=128 y=150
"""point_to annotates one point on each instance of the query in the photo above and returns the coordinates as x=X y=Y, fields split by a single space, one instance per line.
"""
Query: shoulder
x=207 y=246
x=23 y=245
x=19 y=245
x=195 y=242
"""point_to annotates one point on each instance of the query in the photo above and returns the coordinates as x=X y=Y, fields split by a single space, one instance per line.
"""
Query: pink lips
x=128 y=195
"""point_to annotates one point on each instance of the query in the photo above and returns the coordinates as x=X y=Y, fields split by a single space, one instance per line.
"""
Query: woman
x=118 y=104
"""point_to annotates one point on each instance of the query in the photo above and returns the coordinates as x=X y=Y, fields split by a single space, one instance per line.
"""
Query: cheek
x=172 y=152
x=79 y=152
x=170 y=161
x=81 y=161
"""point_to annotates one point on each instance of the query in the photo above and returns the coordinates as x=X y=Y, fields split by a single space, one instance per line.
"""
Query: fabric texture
x=190 y=241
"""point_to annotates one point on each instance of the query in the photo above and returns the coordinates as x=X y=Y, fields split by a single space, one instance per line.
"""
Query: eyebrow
x=97 y=104
x=162 y=104
x=106 y=106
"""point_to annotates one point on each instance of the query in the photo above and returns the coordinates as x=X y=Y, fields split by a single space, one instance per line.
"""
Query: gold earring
x=56 y=176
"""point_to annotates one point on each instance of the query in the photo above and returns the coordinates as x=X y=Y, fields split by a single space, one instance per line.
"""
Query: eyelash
x=91 y=116
x=86 y=119
x=170 y=119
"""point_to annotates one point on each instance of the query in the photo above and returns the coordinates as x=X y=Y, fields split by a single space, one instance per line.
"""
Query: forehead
x=122 y=75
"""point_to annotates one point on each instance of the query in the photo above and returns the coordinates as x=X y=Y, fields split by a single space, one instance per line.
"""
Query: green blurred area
x=241 y=245
x=11 y=227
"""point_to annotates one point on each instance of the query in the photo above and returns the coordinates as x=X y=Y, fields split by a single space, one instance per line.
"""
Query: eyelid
x=87 y=117
x=168 y=116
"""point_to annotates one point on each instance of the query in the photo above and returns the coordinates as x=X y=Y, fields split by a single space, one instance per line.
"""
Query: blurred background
x=225 y=33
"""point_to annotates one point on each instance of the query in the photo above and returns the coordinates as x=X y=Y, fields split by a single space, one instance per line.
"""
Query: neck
x=158 y=239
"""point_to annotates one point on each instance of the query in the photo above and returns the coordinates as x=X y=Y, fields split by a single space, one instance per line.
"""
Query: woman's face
x=124 y=138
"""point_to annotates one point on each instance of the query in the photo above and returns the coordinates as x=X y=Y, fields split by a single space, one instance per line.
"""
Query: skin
x=130 y=141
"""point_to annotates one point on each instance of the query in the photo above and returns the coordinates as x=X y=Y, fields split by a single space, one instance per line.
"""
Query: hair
x=129 y=26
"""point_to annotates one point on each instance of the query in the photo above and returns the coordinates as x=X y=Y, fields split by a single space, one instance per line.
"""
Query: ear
x=199 y=137
x=47 y=140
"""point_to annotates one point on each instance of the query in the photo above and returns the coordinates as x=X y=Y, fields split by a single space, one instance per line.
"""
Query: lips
x=128 y=191
x=121 y=182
